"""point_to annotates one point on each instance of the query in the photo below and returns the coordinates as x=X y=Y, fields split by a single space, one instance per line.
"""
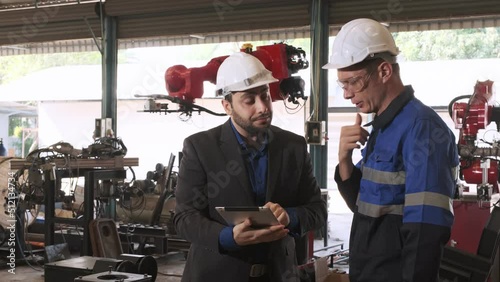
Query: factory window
x=47 y=98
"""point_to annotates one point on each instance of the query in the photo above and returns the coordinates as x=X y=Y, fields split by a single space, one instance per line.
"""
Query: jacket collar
x=393 y=109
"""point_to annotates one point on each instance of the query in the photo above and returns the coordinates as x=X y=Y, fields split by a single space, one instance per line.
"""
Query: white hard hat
x=360 y=39
x=240 y=72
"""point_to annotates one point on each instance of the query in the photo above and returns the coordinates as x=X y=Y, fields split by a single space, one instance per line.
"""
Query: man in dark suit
x=246 y=162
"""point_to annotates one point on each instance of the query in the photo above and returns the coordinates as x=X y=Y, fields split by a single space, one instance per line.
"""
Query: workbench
x=92 y=170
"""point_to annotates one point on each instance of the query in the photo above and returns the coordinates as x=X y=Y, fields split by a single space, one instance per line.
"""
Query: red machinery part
x=281 y=59
x=471 y=117
x=187 y=83
x=473 y=173
x=476 y=117
x=476 y=114
x=470 y=219
x=483 y=91
x=472 y=212
x=273 y=57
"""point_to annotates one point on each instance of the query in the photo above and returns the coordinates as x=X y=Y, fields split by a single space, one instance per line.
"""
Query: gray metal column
x=109 y=70
x=109 y=83
x=319 y=84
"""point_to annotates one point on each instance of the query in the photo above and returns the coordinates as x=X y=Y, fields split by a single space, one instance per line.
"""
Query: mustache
x=262 y=116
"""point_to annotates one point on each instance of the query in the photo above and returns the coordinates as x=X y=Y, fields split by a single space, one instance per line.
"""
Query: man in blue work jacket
x=401 y=191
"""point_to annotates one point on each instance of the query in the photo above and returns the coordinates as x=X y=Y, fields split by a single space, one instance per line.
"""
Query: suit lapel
x=231 y=150
x=275 y=155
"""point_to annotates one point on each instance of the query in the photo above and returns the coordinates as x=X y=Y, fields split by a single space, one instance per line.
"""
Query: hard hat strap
x=386 y=56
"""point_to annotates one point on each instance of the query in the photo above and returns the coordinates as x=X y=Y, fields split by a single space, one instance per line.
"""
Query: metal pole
x=109 y=71
x=319 y=84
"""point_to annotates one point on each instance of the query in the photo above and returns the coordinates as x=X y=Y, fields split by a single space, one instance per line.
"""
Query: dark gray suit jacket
x=212 y=173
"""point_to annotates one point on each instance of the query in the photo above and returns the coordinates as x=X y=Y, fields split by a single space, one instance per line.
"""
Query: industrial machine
x=478 y=157
x=150 y=201
x=184 y=85
x=473 y=247
x=42 y=186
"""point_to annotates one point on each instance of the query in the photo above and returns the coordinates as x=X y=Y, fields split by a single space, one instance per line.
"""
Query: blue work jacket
x=401 y=195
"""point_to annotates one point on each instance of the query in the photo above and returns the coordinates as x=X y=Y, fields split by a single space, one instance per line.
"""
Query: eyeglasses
x=355 y=83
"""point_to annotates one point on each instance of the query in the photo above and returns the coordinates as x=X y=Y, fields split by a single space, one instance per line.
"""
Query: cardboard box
x=337 y=277
x=322 y=273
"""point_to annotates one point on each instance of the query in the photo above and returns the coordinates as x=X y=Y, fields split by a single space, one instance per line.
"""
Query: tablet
x=260 y=216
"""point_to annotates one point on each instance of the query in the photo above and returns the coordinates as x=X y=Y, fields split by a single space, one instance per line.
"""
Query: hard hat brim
x=330 y=66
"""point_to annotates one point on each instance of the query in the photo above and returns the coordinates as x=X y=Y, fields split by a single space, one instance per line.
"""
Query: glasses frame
x=350 y=82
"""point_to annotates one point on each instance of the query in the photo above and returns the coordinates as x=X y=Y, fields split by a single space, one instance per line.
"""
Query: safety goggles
x=356 y=83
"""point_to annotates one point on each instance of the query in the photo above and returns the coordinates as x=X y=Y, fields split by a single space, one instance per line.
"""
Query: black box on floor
x=68 y=270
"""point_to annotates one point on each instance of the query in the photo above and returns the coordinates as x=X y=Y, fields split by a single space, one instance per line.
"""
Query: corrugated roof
x=178 y=19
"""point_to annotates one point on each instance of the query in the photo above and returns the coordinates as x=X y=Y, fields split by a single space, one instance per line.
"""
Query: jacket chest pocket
x=385 y=161
x=384 y=168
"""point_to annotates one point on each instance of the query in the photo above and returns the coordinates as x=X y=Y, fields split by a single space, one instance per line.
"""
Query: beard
x=248 y=126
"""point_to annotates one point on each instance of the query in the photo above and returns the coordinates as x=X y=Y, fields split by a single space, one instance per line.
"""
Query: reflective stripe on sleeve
x=384 y=177
x=378 y=210
x=415 y=199
x=429 y=199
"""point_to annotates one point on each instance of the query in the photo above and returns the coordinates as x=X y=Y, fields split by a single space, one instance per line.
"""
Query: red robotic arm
x=478 y=165
x=187 y=83
x=281 y=59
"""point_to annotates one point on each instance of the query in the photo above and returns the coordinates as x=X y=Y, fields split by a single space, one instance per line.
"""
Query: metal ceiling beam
x=29 y=4
x=169 y=18
x=47 y=24
x=342 y=11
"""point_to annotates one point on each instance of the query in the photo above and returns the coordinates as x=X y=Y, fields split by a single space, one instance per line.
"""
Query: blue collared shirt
x=256 y=166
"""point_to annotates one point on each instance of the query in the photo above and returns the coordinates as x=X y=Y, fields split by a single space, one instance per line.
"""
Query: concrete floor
x=170 y=269
x=171 y=265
